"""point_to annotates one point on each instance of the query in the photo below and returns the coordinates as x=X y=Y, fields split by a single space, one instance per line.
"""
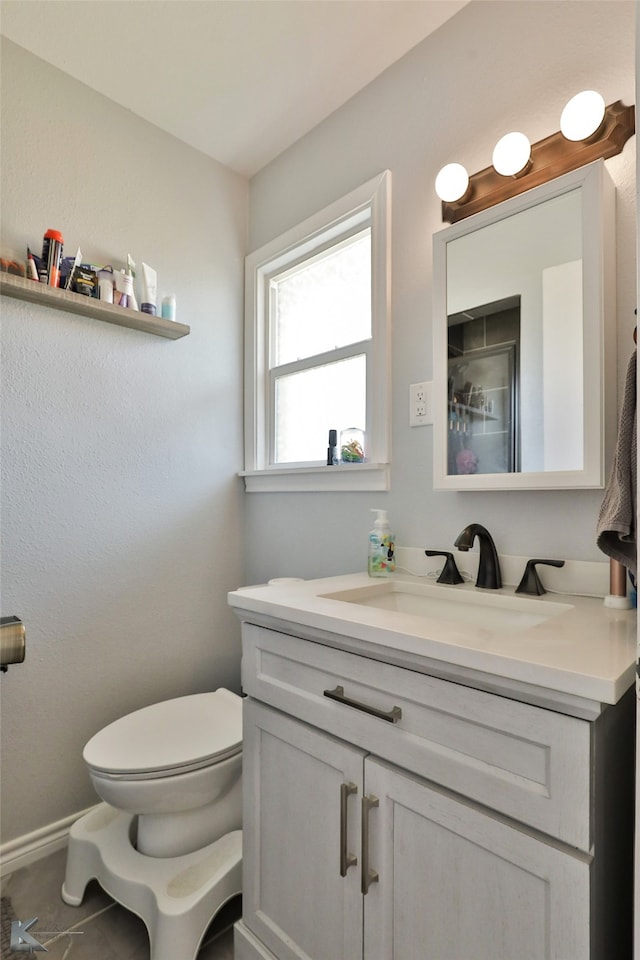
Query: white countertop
x=587 y=652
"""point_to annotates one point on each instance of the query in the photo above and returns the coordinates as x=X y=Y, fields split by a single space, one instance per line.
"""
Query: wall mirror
x=524 y=340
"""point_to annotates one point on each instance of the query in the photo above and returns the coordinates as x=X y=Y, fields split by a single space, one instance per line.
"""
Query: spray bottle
x=382 y=561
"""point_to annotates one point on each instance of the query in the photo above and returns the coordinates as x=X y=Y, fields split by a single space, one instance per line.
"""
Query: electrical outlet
x=420 y=403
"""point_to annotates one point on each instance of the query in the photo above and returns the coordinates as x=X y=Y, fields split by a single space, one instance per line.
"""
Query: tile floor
x=103 y=930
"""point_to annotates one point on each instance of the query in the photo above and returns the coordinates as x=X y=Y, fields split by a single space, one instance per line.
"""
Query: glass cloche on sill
x=352 y=449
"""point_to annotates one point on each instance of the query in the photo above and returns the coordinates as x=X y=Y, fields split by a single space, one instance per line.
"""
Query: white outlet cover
x=421 y=403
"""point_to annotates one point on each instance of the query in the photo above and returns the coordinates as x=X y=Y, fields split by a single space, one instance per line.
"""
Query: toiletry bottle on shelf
x=381 y=562
x=132 y=303
x=51 y=257
x=168 y=307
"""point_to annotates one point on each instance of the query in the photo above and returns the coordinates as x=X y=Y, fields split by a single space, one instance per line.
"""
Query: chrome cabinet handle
x=392 y=715
x=346 y=859
x=369 y=876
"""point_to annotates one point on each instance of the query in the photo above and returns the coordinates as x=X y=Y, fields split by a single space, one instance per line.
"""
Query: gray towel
x=616 y=529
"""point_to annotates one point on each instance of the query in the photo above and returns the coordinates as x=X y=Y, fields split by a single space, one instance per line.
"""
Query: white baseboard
x=18 y=853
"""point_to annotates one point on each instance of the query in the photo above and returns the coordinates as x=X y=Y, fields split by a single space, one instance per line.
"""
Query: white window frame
x=368 y=205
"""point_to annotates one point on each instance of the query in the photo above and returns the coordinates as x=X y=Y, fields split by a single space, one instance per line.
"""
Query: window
x=317 y=357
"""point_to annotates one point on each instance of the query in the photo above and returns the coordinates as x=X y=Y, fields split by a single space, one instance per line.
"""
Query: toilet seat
x=168 y=738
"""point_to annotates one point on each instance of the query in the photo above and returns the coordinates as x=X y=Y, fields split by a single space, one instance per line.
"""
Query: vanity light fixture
x=589 y=131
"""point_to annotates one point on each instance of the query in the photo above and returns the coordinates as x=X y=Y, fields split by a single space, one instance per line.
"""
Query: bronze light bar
x=550 y=158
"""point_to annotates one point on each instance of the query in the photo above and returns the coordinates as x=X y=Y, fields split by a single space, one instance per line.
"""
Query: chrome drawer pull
x=392 y=715
x=368 y=876
x=346 y=859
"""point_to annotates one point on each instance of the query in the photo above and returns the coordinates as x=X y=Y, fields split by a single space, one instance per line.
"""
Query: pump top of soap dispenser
x=382 y=519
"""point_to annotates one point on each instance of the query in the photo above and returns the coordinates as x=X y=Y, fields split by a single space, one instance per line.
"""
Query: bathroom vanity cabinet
x=393 y=813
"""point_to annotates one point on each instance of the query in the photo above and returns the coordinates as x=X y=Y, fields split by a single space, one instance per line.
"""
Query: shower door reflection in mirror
x=483 y=389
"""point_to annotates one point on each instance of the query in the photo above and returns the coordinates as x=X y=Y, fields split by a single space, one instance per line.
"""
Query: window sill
x=360 y=477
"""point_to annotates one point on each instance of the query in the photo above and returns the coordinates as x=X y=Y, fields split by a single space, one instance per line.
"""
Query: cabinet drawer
x=523 y=761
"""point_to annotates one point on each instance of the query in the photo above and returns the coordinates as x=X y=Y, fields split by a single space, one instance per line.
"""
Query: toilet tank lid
x=169 y=735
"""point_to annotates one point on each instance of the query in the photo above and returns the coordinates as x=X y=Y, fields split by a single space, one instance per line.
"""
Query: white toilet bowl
x=166 y=842
x=175 y=765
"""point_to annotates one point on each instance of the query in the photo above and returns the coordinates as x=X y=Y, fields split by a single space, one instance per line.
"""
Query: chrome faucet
x=489 y=566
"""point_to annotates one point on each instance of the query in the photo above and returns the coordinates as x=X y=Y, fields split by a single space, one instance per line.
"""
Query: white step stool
x=176 y=897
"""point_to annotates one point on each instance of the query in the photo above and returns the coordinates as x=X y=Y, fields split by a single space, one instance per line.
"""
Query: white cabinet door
x=295 y=899
x=457 y=884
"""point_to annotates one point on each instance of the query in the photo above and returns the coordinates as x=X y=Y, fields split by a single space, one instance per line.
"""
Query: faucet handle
x=450 y=572
x=531 y=583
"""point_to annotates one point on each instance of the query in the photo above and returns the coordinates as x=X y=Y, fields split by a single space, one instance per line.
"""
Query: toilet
x=166 y=841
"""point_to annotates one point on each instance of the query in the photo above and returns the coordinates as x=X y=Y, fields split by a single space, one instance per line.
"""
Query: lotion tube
x=133 y=303
x=124 y=288
x=149 y=287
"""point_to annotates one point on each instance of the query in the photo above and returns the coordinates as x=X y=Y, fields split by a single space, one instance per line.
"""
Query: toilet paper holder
x=12 y=641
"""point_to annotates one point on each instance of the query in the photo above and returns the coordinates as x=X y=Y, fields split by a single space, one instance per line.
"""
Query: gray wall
x=121 y=514
x=492 y=68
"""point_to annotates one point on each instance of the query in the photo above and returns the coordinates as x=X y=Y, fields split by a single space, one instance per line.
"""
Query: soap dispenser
x=381 y=561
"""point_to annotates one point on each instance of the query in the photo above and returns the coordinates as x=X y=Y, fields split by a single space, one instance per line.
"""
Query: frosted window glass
x=312 y=402
x=324 y=304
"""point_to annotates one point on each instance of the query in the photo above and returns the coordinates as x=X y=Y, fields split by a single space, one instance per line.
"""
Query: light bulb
x=511 y=154
x=452 y=182
x=582 y=115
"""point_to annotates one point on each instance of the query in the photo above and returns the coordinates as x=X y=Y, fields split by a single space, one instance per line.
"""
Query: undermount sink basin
x=485 y=609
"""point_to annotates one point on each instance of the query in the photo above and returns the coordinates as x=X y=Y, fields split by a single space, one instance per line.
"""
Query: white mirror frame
x=599 y=380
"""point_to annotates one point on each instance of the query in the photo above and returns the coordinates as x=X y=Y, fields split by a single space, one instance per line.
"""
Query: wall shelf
x=22 y=288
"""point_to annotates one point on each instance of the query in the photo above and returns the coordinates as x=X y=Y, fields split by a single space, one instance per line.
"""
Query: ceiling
x=240 y=80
